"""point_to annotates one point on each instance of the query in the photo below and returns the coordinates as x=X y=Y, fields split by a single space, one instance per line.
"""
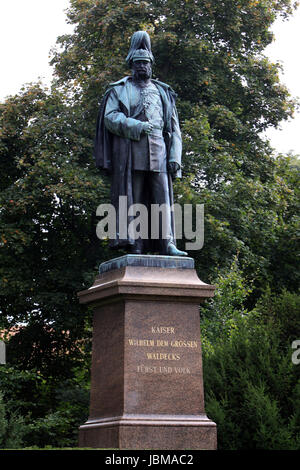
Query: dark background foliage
x=211 y=53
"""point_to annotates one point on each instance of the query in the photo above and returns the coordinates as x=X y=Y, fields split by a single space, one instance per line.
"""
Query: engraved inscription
x=163 y=343
x=161 y=356
x=141 y=342
x=163 y=329
x=162 y=370
x=184 y=344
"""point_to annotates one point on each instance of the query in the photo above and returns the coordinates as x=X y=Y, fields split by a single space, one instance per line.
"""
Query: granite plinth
x=146 y=377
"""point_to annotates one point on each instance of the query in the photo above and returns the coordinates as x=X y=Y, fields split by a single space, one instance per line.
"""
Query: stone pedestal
x=147 y=386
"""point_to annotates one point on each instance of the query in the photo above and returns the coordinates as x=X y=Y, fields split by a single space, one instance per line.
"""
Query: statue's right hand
x=147 y=127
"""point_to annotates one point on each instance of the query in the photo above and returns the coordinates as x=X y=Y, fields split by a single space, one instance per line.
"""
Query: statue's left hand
x=173 y=167
x=147 y=127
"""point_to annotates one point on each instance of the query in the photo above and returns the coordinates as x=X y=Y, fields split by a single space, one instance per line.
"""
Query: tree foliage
x=228 y=93
x=37 y=412
x=49 y=248
x=251 y=384
x=12 y=428
x=211 y=53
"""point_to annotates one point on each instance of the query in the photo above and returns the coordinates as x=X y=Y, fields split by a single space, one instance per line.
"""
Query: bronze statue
x=138 y=141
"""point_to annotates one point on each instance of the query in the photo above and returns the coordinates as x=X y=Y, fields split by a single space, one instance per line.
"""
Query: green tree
x=228 y=93
x=251 y=384
x=38 y=411
x=49 y=249
x=12 y=429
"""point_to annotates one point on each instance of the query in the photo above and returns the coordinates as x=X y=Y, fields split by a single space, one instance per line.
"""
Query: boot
x=173 y=251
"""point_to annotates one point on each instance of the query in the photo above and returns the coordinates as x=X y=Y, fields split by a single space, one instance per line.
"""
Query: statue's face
x=141 y=69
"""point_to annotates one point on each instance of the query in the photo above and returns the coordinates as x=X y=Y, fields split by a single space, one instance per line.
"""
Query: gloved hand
x=147 y=127
x=173 y=167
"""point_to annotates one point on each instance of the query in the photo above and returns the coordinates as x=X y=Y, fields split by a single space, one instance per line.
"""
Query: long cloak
x=113 y=153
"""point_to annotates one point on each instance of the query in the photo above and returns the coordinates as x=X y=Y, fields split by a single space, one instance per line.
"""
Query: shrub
x=12 y=428
x=252 y=388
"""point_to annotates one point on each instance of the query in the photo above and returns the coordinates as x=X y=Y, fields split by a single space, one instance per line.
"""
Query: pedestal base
x=150 y=432
x=147 y=385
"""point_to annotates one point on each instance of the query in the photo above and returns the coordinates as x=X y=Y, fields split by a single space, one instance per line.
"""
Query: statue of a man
x=138 y=141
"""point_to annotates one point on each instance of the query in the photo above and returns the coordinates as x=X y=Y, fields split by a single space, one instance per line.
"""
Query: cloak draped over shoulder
x=112 y=151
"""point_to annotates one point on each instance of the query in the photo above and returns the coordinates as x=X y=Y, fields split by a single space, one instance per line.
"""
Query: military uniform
x=149 y=155
x=139 y=159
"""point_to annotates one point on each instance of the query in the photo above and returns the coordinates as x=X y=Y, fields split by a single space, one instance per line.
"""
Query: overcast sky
x=29 y=28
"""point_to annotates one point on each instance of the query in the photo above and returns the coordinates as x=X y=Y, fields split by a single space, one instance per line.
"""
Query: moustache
x=142 y=73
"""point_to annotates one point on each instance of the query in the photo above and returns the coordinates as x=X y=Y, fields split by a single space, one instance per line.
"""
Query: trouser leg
x=139 y=188
x=161 y=215
x=153 y=187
